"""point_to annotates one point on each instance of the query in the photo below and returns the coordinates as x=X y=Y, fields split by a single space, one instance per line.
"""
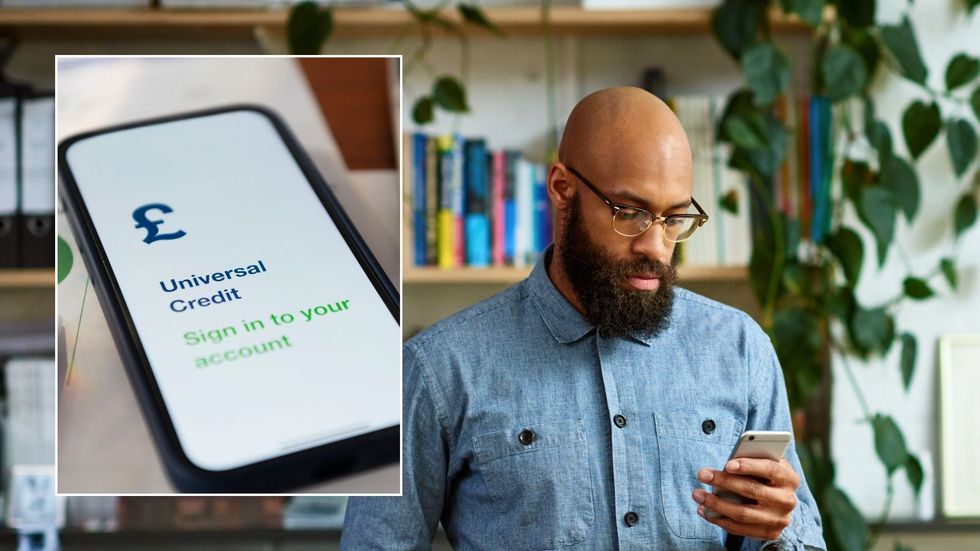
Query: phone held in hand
x=755 y=444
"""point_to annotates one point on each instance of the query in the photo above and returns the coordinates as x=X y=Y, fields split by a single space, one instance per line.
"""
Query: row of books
x=472 y=206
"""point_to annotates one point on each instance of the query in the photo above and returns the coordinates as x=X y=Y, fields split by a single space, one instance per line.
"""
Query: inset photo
x=228 y=275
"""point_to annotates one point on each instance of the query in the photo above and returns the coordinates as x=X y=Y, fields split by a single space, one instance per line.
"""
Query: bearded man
x=594 y=405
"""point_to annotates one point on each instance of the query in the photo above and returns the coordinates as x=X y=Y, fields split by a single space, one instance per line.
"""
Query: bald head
x=627 y=133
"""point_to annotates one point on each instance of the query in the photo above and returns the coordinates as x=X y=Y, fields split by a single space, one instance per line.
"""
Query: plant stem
x=853 y=381
x=878 y=526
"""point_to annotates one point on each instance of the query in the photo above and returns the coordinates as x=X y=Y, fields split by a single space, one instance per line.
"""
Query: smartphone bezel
x=277 y=474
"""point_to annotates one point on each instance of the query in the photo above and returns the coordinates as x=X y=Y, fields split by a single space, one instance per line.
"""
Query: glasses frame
x=701 y=216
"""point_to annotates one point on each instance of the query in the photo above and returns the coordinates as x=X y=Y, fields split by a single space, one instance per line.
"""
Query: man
x=592 y=405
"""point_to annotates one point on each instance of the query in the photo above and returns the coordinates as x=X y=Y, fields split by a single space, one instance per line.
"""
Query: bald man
x=593 y=405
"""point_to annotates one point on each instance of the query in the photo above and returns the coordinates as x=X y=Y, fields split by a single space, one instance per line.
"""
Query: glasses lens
x=631 y=222
x=680 y=228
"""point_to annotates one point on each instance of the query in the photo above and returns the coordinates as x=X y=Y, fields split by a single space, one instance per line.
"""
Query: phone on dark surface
x=756 y=444
x=259 y=333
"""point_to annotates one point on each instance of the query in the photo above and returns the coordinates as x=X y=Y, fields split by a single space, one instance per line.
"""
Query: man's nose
x=652 y=244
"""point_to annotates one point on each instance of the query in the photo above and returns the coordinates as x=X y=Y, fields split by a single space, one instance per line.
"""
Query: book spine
x=431 y=199
x=446 y=227
x=418 y=196
x=510 y=205
x=477 y=225
x=498 y=208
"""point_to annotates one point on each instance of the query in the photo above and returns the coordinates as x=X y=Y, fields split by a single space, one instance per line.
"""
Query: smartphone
x=757 y=444
x=259 y=333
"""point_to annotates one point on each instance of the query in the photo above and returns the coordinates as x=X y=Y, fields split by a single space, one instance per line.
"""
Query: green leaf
x=975 y=102
x=903 y=183
x=736 y=23
x=877 y=211
x=449 y=94
x=65 y=259
x=949 y=271
x=857 y=13
x=473 y=14
x=907 y=361
x=308 y=28
x=422 y=110
x=920 y=125
x=843 y=71
x=796 y=337
x=970 y=4
x=889 y=442
x=965 y=214
x=849 y=250
x=961 y=70
x=846 y=524
x=872 y=331
x=856 y=176
x=864 y=43
x=899 y=546
x=767 y=72
x=744 y=133
x=913 y=470
x=962 y=142
x=729 y=201
x=810 y=11
x=900 y=41
x=881 y=140
x=917 y=288
x=841 y=304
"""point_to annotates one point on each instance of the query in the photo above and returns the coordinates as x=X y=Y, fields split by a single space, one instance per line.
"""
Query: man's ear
x=561 y=187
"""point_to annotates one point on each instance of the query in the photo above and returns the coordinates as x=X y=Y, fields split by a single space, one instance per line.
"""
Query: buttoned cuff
x=791 y=539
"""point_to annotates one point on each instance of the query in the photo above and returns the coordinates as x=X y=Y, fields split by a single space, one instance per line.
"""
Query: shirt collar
x=566 y=324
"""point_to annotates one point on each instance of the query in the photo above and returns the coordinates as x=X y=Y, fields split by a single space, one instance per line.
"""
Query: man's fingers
x=778 y=473
x=756 y=531
x=746 y=486
x=739 y=512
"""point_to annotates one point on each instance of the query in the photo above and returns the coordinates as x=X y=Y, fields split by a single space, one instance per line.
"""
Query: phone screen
x=263 y=332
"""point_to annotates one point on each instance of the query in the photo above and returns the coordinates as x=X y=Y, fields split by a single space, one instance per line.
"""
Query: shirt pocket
x=539 y=483
x=687 y=443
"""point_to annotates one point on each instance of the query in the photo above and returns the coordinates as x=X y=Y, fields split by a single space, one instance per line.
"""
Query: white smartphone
x=756 y=444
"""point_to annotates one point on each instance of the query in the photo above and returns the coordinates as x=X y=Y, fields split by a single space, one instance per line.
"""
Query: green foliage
x=864 y=43
x=736 y=23
x=308 y=28
x=872 y=331
x=876 y=209
x=948 y=268
x=889 y=442
x=903 y=184
x=844 y=72
x=729 y=201
x=810 y=11
x=473 y=14
x=975 y=102
x=881 y=139
x=766 y=71
x=422 y=111
x=920 y=125
x=797 y=340
x=961 y=139
x=907 y=361
x=913 y=470
x=845 y=524
x=961 y=70
x=450 y=94
x=857 y=13
x=916 y=288
x=901 y=43
x=849 y=250
x=965 y=214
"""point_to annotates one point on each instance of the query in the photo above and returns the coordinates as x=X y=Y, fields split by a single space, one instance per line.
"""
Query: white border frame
x=947 y=412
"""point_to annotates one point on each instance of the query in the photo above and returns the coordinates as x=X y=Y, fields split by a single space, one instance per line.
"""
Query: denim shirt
x=511 y=437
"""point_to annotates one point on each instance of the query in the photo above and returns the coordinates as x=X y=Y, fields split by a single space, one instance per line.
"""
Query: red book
x=498 y=223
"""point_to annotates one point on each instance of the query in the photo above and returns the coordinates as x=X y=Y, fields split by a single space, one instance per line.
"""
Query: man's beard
x=599 y=282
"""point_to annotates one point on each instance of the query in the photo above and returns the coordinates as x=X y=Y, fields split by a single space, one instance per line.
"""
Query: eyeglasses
x=632 y=221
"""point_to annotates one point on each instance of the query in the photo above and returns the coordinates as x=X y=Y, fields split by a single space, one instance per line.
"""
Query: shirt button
x=631 y=518
x=619 y=420
x=526 y=437
x=708 y=426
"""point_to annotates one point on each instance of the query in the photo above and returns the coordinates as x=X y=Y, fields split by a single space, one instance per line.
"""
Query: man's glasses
x=632 y=221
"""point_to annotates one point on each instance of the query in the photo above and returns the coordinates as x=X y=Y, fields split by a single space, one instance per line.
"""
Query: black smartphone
x=259 y=333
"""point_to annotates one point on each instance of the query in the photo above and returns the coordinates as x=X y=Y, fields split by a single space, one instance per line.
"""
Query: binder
x=37 y=181
x=9 y=222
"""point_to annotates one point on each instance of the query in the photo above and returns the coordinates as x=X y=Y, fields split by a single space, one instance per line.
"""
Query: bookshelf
x=361 y=22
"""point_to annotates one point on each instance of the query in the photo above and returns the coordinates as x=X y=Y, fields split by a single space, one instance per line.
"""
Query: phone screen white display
x=264 y=334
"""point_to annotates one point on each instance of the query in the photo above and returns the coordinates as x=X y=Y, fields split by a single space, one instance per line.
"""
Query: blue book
x=418 y=196
x=476 y=187
x=542 y=211
x=510 y=205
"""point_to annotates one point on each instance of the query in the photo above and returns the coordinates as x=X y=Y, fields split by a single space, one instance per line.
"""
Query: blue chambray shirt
x=526 y=360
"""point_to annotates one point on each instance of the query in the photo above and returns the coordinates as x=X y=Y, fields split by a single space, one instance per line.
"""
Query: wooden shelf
x=378 y=21
x=504 y=276
x=20 y=278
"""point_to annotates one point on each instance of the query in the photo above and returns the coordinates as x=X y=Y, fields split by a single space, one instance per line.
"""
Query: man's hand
x=770 y=505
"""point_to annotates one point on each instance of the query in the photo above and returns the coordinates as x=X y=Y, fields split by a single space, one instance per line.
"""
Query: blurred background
x=853 y=106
